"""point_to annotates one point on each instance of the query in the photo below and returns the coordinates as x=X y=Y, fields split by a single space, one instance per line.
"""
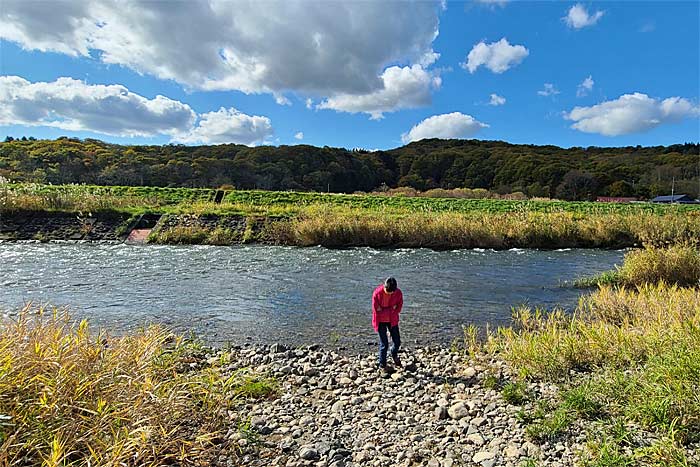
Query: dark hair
x=390 y=284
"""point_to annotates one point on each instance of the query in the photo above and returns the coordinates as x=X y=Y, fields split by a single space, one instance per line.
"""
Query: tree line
x=537 y=171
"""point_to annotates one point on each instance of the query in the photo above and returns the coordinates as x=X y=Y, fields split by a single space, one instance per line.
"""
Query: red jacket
x=388 y=314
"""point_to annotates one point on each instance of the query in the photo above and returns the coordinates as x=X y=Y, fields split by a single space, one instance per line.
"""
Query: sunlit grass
x=349 y=227
x=69 y=396
x=677 y=264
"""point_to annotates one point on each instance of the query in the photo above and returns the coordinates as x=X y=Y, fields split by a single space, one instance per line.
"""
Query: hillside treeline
x=540 y=171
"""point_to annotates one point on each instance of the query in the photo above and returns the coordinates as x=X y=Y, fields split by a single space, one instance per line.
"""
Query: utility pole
x=673 y=188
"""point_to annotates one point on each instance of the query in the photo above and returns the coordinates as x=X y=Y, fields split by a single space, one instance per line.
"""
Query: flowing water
x=285 y=294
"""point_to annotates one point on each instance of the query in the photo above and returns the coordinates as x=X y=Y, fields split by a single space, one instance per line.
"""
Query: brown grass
x=71 y=397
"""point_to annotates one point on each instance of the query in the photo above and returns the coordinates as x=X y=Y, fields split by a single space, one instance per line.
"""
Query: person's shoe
x=385 y=370
x=397 y=362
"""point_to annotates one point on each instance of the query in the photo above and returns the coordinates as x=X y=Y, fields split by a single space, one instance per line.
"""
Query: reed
x=525 y=229
x=69 y=396
x=677 y=264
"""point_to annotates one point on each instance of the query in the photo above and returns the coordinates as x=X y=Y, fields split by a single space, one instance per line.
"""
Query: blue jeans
x=384 y=341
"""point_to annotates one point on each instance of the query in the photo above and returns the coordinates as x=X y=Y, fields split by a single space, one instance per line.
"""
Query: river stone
x=476 y=438
x=512 y=451
x=483 y=456
x=308 y=453
x=441 y=413
x=257 y=421
x=345 y=381
x=309 y=370
x=337 y=406
x=478 y=421
x=458 y=411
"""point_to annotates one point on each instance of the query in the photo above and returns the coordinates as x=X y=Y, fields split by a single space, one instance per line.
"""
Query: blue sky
x=377 y=74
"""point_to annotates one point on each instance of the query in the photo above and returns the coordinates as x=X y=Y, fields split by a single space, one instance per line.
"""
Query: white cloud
x=445 y=126
x=309 y=103
x=228 y=126
x=70 y=104
x=500 y=3
x=403 y=88
x=497 y=100
x=585 y=87
x=630 y=113
x=299 y=135
x=548 y=90
x=73 y=105
x=313 y=47
x=281 y=99
x=578 y=17
x=497 y=56
x=649 y=26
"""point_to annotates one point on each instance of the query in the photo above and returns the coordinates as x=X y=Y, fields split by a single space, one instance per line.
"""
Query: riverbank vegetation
x=678 y=264
x=535 y=171
x=69 y=396
x=336 y=220
x=627 y=362
x=337 y=228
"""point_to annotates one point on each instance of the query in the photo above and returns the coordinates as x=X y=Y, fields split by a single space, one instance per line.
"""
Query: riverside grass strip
x=159 y=196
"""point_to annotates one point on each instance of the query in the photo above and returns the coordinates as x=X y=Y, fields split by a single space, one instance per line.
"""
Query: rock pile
x=340 y=411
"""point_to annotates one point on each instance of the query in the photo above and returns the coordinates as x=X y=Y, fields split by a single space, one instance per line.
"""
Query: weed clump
x=71 y=397
x=677 y=264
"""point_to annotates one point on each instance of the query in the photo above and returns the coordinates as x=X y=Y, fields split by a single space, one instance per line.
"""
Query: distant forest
x=537 y=171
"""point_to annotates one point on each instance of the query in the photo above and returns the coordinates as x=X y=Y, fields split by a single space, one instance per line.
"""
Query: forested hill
x=550 y=171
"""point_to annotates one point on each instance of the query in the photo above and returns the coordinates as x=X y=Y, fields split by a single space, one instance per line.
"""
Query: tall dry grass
x=635 y=358
x=615 y=327
x=676 y=264
x=72 y=397
x=347 y=227
x=28 y=199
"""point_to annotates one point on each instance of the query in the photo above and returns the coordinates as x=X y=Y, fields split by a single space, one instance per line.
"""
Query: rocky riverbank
x=49 y=226
x=440 y=410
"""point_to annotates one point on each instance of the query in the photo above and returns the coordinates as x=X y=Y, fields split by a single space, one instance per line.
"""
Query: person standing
x=387 y=301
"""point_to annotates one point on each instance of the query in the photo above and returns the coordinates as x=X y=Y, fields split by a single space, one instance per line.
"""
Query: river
x=286 y=294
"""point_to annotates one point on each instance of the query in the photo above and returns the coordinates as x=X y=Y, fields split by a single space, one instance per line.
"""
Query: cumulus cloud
x=309 y=103
x=445 y=126
x=497 y=100
x=73 y=105
x=70 y=104
x=630 y=113
x=229 y=126
x=497 y=56
x=299 y=135
x=548 y=90
x=312 y=47
x=585 y=87
x=403 y=88
x=578 y=17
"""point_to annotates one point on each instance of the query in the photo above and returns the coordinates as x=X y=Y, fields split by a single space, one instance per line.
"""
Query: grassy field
x=73 y=196
x=627 y=362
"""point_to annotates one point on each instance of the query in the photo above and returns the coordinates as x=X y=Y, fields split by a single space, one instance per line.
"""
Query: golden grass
x=347 y=227
x=676 y=264
x=615 y=327
x=28 y=200
x=70 y=397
